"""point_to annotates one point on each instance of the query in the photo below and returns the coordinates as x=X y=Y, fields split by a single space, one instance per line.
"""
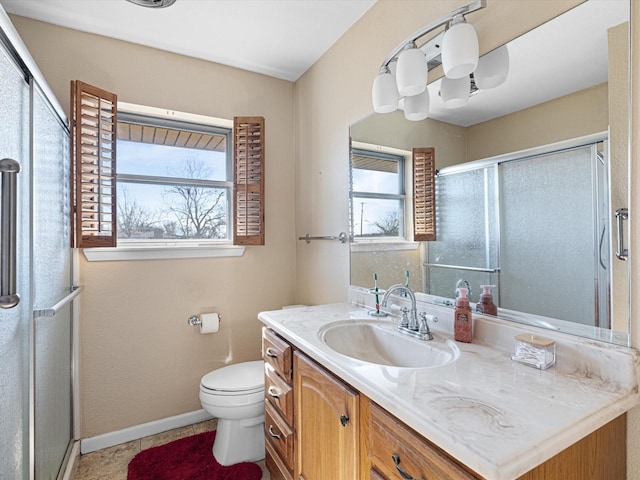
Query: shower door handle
x=622 y=214
x=8 y=218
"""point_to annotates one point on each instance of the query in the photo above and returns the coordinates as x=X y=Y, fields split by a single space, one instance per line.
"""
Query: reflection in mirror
x=531 y=175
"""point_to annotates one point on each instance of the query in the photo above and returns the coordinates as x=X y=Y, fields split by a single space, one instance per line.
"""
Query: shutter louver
x=424 y=194
x=248 y=178
x=93 y=157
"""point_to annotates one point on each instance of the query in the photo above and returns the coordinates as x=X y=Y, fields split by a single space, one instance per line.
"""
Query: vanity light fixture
x=385 y=92
x=456 y=49
x=460 y=49
x=411 y=71
x=153 y=3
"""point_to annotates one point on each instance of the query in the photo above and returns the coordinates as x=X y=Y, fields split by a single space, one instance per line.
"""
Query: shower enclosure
x=36 y=350
x=546 y=253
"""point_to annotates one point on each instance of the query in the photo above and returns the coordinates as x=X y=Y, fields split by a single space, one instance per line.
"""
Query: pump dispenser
x=462 y=326
x=486 y=305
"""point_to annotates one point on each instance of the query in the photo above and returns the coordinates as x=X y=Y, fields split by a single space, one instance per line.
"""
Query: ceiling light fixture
x=153 y=3
x=456 y=49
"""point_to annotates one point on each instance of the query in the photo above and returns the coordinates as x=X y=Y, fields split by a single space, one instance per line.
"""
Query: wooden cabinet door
x=326 y=417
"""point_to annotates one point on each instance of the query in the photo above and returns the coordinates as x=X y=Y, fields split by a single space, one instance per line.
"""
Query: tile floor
x=111 y=463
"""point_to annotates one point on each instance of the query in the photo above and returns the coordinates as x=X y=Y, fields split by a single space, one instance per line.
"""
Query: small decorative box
x=538 y=352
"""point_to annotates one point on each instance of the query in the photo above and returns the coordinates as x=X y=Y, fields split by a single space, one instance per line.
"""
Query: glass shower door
x=52 y=282
x=15 y=322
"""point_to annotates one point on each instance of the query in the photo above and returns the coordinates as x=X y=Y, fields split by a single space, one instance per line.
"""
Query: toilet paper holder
x=195 y=321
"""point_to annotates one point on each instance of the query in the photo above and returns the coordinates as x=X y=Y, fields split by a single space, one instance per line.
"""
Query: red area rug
x=189 y=458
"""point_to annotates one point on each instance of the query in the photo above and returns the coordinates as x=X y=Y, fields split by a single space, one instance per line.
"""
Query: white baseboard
x=139 y=431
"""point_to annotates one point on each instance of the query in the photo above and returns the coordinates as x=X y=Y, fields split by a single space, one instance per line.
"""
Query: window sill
x=161 y=252
x=386 y=245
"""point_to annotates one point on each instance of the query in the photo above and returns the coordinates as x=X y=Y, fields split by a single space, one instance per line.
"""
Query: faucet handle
x=424 y=324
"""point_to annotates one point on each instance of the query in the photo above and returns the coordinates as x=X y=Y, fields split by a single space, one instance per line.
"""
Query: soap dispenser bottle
x=486 y=305
x=462 y=327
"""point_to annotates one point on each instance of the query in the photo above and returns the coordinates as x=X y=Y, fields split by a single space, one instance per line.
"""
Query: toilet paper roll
x=210 y=322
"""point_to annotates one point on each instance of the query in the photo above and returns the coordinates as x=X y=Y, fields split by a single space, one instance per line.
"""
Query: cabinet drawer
x=273 y=462
x=279 y=393
x=277 y=353
x=279 y=434
x=393 y=445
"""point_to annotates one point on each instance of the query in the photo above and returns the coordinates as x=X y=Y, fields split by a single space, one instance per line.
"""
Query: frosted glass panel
x=52 y=274
x=53 y=392
x=52 y=255
x=14 y=323
x=547 y=252
x=466 y=231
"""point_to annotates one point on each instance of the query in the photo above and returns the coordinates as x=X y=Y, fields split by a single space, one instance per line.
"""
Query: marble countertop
x=496 y=416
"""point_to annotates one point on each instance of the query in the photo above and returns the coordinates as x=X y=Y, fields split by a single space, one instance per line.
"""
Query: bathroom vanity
x=477 y=415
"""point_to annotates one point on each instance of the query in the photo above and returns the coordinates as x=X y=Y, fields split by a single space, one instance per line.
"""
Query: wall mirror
x=532 y=188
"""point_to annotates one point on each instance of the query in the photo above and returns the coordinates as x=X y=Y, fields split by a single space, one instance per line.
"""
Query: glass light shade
x=416 y=107
x=455 y=91
x=411 y=72
x=493 y=68
x=385 y=93
x=460 y=50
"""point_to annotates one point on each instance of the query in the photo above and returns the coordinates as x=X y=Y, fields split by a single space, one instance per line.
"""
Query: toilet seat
x=237 y=379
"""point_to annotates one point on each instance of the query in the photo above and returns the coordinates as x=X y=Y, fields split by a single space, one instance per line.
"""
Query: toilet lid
x=246 y=376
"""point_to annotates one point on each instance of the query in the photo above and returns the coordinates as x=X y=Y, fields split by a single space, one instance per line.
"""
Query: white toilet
x=235 y=396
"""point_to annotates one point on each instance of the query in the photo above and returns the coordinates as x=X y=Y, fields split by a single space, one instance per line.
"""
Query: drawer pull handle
x=344 y=420
x=272 y=434
x=403 y=474
x=273 y=392
x=271 y=354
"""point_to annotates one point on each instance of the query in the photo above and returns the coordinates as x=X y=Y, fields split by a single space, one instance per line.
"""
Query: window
x=377 y=195
x=174 y=180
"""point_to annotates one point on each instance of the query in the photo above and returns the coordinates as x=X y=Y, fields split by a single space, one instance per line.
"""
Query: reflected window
x=377 y=195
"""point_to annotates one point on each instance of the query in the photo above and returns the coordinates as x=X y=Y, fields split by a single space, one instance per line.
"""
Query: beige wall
x=392 y=130
x=335 y=92
x=633 y=423
x=139 y=359
x=560 y=119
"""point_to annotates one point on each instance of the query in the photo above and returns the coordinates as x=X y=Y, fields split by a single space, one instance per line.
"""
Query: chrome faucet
x=409 y=324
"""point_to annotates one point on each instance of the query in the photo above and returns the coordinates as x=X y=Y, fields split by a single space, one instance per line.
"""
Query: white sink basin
x=379 y=343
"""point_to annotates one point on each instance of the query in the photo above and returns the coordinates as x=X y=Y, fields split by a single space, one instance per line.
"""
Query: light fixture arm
x=472 y=7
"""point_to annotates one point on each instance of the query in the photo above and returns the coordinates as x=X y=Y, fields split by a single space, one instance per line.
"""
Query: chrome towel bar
x=341 y=237
x=458 y=267
x=51 y=312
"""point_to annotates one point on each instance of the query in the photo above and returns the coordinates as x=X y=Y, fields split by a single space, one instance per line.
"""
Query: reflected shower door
x=467 y=233
x=52 y=280
x=549 y=207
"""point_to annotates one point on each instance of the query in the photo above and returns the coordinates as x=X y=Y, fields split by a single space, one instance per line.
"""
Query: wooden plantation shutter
x=93 y=157
x=248 y=180
x=424 y=194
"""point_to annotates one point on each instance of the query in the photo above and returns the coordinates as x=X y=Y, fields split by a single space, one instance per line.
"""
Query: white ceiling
x=279 y=38
x=283 y=38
